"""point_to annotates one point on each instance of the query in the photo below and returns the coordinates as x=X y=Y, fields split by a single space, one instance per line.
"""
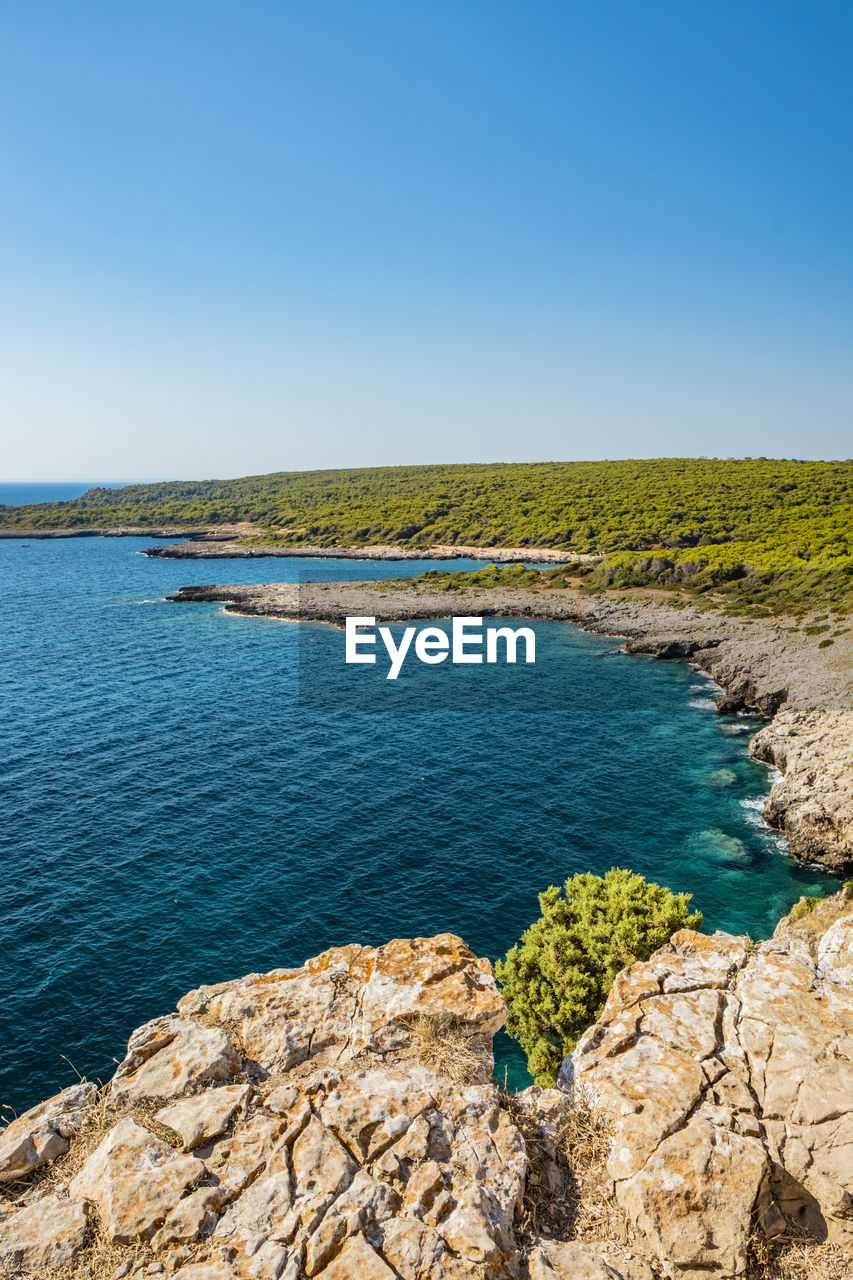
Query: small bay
x=173 y=815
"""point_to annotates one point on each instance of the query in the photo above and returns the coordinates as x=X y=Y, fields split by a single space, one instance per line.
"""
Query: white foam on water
x=753 y=812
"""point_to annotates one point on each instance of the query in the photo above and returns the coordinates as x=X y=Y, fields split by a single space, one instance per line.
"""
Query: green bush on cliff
x=555 y=982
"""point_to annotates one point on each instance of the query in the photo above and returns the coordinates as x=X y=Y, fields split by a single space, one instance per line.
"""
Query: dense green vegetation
x=777 y=532
x=753 y=594
x=555 y=982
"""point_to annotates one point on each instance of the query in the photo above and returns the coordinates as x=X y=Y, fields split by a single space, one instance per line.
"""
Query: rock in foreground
x=728 y=1069
x=338 y=1121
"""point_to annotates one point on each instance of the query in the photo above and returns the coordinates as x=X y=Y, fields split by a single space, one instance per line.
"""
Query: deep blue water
x=20 y=493
x=173 y=813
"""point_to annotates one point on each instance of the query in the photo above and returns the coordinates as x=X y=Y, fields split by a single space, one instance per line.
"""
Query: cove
x=173 y=815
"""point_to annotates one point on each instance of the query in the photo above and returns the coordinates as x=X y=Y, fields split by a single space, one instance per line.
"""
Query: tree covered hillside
x=704 y=522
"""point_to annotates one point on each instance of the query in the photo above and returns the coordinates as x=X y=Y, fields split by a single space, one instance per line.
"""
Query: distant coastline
x=217 y=543
x=211 y=548
x=772 y=534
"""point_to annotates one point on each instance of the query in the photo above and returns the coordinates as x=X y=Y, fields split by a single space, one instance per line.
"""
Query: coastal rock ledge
x=340 y=1121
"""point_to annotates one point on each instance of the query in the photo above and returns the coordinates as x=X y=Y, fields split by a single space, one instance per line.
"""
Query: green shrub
x=803 y=908
x=557 y=979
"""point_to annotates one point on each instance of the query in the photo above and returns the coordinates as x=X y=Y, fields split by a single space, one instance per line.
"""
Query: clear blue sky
x=240 y=237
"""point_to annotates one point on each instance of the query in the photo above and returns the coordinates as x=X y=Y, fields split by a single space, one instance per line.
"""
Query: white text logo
x=468 y=642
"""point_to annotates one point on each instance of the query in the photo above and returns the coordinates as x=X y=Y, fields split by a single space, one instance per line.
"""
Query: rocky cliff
x=339 y=1121
x=813 y=801
x=806 y=693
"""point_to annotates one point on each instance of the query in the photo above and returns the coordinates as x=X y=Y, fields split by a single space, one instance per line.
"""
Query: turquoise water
x=173 y=813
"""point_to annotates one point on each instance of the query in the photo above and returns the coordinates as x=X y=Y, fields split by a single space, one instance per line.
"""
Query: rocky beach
x=216 y=546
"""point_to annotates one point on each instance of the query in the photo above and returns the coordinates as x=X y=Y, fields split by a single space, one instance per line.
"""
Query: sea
x=175 y=811
x=26 y=491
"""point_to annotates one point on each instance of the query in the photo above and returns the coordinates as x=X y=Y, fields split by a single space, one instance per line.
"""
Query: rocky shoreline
x=340 y=1121
x=119 y=531
x=769 y=667
x=210 y=548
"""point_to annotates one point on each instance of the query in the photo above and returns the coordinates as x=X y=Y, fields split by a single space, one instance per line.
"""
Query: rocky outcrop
x=43 y=1236
x=810 y=735
x=663 y=645
x=290 y=1124
x=134 y=1179
x=728 y=1069
x=44 y=1133
x=813 y=802
x=339 y=1121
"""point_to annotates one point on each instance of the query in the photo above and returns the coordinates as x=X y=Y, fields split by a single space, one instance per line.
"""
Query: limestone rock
x=196 y=1215
x=206 y=1271
x=555 y=1260
x=168 y=1054
x=43 y=1133
x=357 y=1258
x=694 y=1196
x=813 y=802
x=835 y=953
x=354 y=999
x=330 y=1146
x=732 y=1099
x=43 y=1236
x=134 y=1179
x=204 y=1116
x=236 y=1160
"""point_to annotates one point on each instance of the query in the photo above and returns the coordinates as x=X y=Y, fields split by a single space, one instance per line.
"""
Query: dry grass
x=584 y=1140
x=567 y=1195
x=100 y=1258
x=100 y=1119
x=440 y=1043
x=795 y=1256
